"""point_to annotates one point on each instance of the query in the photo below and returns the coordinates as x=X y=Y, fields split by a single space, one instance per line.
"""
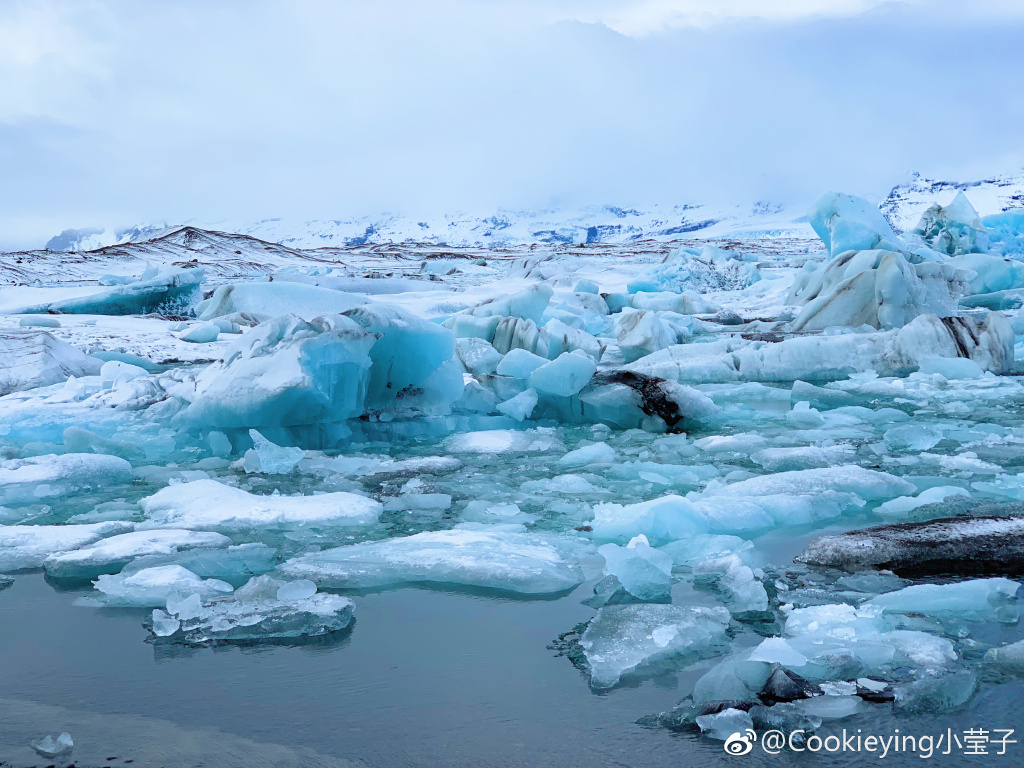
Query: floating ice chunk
x=868 y=484
x=150 y=587
x=776 y=650
x=116 y=372
x=565 y=376
x=234 y=565
x=743 y=591
x=407 y=353
x=519 y=407
x=596 y=453
x=270 y=458
x=488 y=512
x=665 y=301
x=586 y=286
x=903 y=505
x=477 y=356
x=661 y=520
x=954 y=229
x=693 y=550
x=839 y=620
x=741 y=442
x=1006 y=659
x=644 y=572
x=276 y=299
x=171 y=291
x=164 y=625
x=519 y=364
x=912 y=437
x=724 y=724
x=39 y=321
x=640 y=333
x=528 y=304
x=920 y=648
x=200 y=333
x=733 y=515
x=804 y=417
x=503 y=441
x=977 y=599
x=53 y=746
x=111 y=554
x=933 y=695
x=209 y=505
x=282 y=373
x=30 y=359
x=41 y=477
x=512 y=562
x=877 y=288
x=622 y=638
x=267 y=618
x=27 y=546
x=810 y=457
x=293 y=591
x=832 y=707
x=950 y=367
x=712 y=269
x=848 y=223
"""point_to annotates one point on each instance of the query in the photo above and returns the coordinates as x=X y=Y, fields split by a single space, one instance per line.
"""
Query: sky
x=121 y=112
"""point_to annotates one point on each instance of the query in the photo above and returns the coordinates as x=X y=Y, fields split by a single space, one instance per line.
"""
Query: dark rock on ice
x=960 y=545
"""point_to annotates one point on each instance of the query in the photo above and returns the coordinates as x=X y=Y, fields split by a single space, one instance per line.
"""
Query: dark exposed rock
x=962 y=545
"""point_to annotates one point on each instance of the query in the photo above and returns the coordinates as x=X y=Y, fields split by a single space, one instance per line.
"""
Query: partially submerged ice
x=263 y=609
x=623 y=638
x=513 y=562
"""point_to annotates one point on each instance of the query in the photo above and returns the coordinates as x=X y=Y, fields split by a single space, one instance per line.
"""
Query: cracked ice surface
x=802 y=471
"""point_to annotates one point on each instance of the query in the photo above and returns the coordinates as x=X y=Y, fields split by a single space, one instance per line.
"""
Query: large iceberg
x=848 y=223
x=30 y=359
x=168 y=291
x=512 y=562
x=877 y=288
x=954 y=229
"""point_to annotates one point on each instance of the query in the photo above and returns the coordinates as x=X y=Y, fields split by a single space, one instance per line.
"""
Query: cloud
x=126 y=112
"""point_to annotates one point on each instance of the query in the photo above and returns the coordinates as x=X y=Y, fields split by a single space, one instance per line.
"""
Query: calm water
x=425 y=678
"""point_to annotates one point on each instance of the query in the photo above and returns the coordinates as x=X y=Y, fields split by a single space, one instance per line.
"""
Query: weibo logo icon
x=740 y=743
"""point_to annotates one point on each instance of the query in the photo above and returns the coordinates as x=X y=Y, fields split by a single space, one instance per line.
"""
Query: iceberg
x=512 y=562
x=210 y=505
x=710 y=269
x=641 y=332
x=622 y=638
x=848 y=223
x=877 y=288
x=285 y=372
x=30 y=359
x=954 y=229
x=565 y=376
x=168 y=291
x=274 y=299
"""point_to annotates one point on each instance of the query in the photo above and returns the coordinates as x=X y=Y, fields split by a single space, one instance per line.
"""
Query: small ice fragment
x=294 y=591
x=777 y=650
x=51 y=746
x=164 y=625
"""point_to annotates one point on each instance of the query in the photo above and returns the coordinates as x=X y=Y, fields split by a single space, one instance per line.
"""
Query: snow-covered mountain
x=604 y=224
x=906 y=202
x=597 y=224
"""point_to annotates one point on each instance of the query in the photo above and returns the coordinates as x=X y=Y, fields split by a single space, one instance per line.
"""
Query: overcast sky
x=115 y=113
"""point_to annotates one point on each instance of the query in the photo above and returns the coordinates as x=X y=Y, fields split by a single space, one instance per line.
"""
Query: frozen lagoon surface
x=340 y=547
